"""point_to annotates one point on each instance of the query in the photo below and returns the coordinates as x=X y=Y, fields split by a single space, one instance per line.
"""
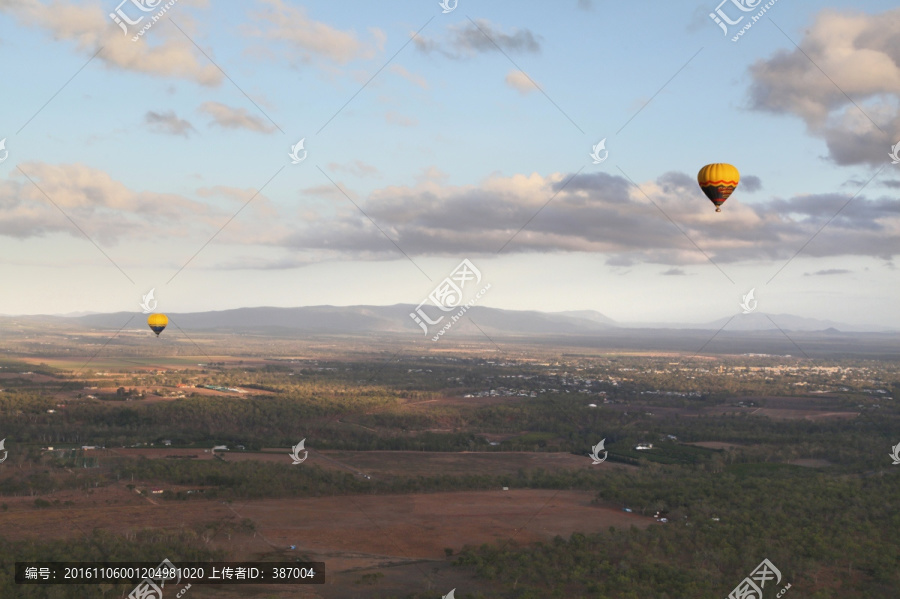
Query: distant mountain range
x=396 y=319
x=755 y=333
x=760 y=321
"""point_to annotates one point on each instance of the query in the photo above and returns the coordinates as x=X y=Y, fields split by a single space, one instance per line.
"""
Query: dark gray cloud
x=483 y=37
x=674 y=272
x=828 y=271
x=750 y=183
x=425 y=44
x=468 y=39
x=169 y=123
x=676 y=182
x=604 y=214
x=235 y=118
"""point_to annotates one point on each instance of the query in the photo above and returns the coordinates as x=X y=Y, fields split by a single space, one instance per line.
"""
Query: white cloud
x=414 y=79
x=860 y=56
x=105 y=209
x=311 y=38
x=520 y=82
x=169 y=54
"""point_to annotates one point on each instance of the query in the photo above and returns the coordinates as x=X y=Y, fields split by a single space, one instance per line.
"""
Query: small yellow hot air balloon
x=718 y=182
x=158 y=323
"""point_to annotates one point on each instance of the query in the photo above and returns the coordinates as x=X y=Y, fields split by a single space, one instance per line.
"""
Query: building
x=643 y=446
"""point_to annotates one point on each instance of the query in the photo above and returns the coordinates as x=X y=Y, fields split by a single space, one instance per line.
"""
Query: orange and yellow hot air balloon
x=718 y=182
x=157 y=322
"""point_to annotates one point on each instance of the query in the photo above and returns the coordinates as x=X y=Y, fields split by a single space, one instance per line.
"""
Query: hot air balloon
x=718 y=182
x=158 y=323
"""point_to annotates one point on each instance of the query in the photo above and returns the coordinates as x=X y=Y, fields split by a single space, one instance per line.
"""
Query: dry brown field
x=35 y=378
x=401 y=536
x=812 y=414
x=119 y=364
x=782 y=408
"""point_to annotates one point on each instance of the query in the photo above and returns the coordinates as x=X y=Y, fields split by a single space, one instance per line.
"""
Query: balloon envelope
x=718 y=182
x=158 y=323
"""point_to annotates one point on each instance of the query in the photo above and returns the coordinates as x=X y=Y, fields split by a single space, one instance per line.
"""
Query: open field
x=421 y=526
x=813 y=411
x=165 y=362
x=360 y=532
x=811 y=414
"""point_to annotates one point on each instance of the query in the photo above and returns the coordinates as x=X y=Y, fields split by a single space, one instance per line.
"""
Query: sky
x=431 y=134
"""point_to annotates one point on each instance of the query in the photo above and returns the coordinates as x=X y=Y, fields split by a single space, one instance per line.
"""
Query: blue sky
x=150 y=149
